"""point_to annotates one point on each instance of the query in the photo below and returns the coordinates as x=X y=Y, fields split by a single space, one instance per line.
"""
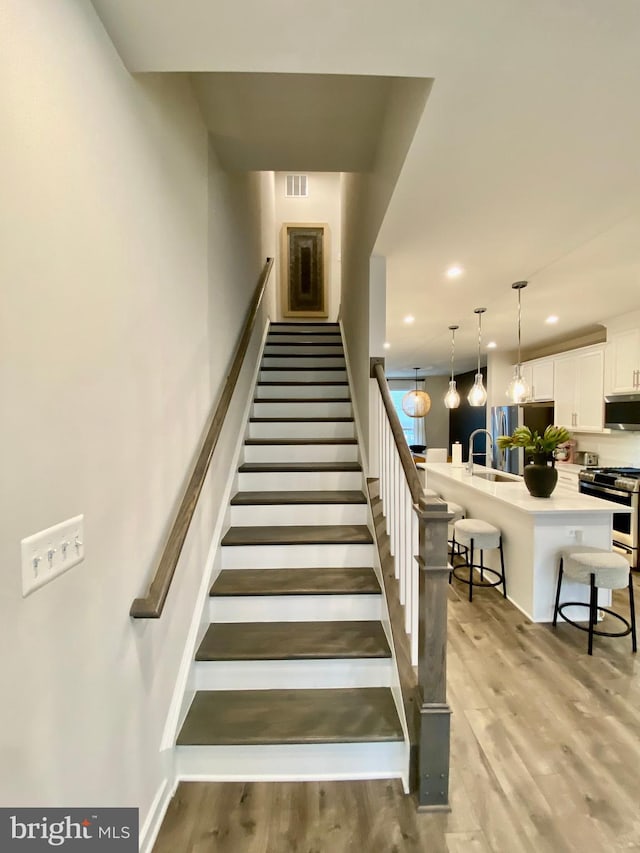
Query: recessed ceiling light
x=454 y=271
x=409 y=319
x=386 y=345
x=492 y=345
x=551 y=319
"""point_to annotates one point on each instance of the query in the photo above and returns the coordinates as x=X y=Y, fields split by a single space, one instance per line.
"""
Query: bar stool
x=472 y=533
x=599 y=569
x=459 y=513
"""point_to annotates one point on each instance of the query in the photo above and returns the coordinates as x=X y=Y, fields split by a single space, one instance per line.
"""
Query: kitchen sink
x=495 y=477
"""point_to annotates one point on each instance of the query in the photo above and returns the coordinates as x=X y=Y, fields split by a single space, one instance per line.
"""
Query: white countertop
x=515 y=493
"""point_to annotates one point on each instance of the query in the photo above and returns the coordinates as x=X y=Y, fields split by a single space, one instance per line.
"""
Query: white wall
x=364 y=199
x=123 y=290
x=322 y=205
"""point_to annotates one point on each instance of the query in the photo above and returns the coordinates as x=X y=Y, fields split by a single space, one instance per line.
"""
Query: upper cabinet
x=623 y=361
x=539 y=376
x=578 y=389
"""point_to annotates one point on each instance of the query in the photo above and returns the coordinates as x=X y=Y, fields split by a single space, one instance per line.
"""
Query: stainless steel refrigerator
x=504 y=419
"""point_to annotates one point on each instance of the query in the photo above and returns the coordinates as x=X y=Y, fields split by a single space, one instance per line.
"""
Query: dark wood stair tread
x=333 y=332
x=303 y=354
x=299 y=534
x=283 y=467
x=299 y=441
x=290 y=382
x=309 y=497
x=320 y=324
x=301 y=420
x=303 y=581
x=255 y=717
x=269 y=343
x=293 y=641
x=289 y=369
x=302 y=400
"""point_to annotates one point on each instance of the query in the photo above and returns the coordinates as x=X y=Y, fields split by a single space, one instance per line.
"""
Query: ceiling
x=294 y=122
x=524 y=164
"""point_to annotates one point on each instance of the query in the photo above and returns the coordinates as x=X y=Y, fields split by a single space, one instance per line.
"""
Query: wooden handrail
x=406 y=459
x=151 y=606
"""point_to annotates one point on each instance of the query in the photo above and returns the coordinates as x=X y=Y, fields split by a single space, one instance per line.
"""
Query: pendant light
x=452 y=398
x=416 y=403
x=518 y=390
x=478 y=394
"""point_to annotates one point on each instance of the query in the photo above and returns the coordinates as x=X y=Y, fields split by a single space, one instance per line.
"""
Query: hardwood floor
x=545 y=758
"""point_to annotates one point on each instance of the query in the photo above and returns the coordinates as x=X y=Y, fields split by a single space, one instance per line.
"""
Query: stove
x=621 y=486
x=624 y=479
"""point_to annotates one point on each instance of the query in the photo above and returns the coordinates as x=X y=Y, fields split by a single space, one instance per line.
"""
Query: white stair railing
x=417 y=528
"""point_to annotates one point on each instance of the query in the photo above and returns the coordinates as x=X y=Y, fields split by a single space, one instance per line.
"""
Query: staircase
x=293 y=676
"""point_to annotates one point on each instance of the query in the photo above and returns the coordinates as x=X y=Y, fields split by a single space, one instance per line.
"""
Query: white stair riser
x=302 y=361
x=288 y=514
x=304 y=339
x=304 y=392
x=309 y=429
x=295 y=556
x=299 y=481
x=303 y=375
x=292 y=762
x=291 y=674
x=303 y=328
x=302 y=409
x=295 y=608
x=303 y=349
x=301 y=453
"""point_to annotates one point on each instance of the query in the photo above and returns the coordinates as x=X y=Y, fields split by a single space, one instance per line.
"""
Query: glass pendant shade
x=518 y=390
x=416 y=403
x=452 y=398
x=478 y=394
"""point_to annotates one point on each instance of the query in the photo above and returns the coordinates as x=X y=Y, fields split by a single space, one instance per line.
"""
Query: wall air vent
x=297 y=186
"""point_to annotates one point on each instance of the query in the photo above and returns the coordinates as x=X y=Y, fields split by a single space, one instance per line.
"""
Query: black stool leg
x=470 y=561
x=555 y=609
x=593 y=610
x=632 y=616
x=482 y=564
x=453 y=550
x=504 y=577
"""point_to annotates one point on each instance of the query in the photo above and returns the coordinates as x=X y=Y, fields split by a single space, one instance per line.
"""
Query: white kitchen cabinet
x=567 y=478
x=579 y=390
x=623 y=361
x=539 y=376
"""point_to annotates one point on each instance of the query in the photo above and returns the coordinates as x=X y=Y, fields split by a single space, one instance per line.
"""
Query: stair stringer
x=385 y=617
x=183 y=692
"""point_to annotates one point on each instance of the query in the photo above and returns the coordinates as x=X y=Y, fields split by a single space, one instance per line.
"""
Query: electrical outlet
x=49 y=553
x=575 y=533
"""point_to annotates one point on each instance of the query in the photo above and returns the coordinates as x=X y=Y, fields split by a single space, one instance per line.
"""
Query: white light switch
x=51 y=552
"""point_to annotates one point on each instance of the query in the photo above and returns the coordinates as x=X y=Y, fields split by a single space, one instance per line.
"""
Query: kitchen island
x=533 y=532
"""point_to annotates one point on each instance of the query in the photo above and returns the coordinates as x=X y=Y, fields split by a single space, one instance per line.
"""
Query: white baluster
x=402 y=568
x=415 y=591
x=409 y=561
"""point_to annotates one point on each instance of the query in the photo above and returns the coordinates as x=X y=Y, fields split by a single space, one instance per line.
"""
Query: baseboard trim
x=151 y=827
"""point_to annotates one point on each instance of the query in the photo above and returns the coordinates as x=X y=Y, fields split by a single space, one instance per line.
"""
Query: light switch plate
x=49 y=553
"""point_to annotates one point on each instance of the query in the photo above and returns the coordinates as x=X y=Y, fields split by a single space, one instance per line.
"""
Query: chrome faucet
x=471 y=437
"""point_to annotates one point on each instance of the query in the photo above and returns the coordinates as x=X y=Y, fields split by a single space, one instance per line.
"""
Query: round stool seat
x=457 y=510
x=610 y=570
x=484 y=535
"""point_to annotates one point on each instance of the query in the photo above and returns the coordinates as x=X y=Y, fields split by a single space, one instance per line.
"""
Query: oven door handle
x=620 y=493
